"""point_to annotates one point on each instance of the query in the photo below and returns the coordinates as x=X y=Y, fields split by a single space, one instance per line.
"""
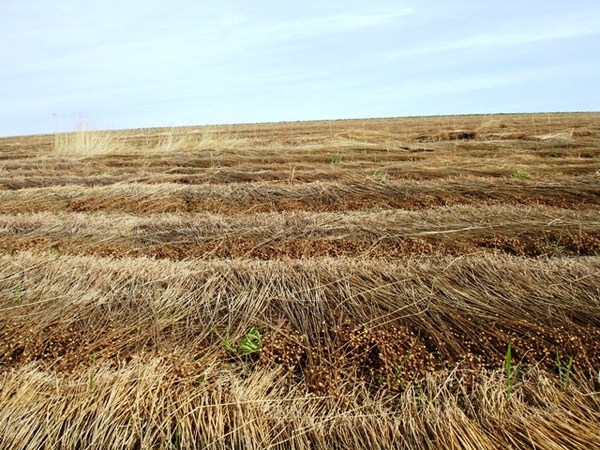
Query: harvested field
x=393 y=283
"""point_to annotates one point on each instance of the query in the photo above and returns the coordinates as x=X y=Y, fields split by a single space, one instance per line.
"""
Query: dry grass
x=386 y=264
x=354 y=194
x=437 y=231
x=85 y=142
x=150 y=369
x=258 y=411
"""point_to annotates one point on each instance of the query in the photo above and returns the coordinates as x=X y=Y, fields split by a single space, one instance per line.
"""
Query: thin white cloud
x=216 y=40
x=315 y=26
x=529 y=33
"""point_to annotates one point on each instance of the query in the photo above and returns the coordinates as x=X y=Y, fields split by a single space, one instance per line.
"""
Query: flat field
x=393 y=283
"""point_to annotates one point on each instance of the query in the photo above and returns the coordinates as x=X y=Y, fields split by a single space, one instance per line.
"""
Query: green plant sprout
x=250 y=344
x=201 y=380
x=92 y=372
x=380 y=175
x=564 y=372
x=553 y=246
x=18 y=293
x=226 y=341
x=176 y=439
x=512 y=372
x=520 y=174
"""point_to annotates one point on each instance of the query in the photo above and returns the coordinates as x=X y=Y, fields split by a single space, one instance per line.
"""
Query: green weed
x=512 y=371
x=400 y=367
x=564 y=372
x=520 y=174
x=399 y=381
x=92 y=372
x=380 y=175
x=553 y=246
x=176 y=439
x=226 y=341
x=250 y=344
x=336 y=159
x=18 y=293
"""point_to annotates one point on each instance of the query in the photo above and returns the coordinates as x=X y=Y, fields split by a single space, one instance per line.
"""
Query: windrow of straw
x=136 y=198
x=128 y=353
x=134 y=305
x=144 y=406
x=203 y=168
x=102 y=175
x=518 y=230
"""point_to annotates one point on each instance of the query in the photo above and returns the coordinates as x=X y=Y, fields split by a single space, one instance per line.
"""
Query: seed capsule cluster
x=384 y=357
x=387 y=356
x=284 y=347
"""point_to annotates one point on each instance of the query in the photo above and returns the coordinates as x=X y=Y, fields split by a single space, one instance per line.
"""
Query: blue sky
x=128 y=64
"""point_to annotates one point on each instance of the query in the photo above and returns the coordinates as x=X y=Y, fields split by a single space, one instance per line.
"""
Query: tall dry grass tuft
x=84 y=142
x=204 y=139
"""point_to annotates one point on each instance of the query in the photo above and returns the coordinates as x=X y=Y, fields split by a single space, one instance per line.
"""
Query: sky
x=132 y=63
